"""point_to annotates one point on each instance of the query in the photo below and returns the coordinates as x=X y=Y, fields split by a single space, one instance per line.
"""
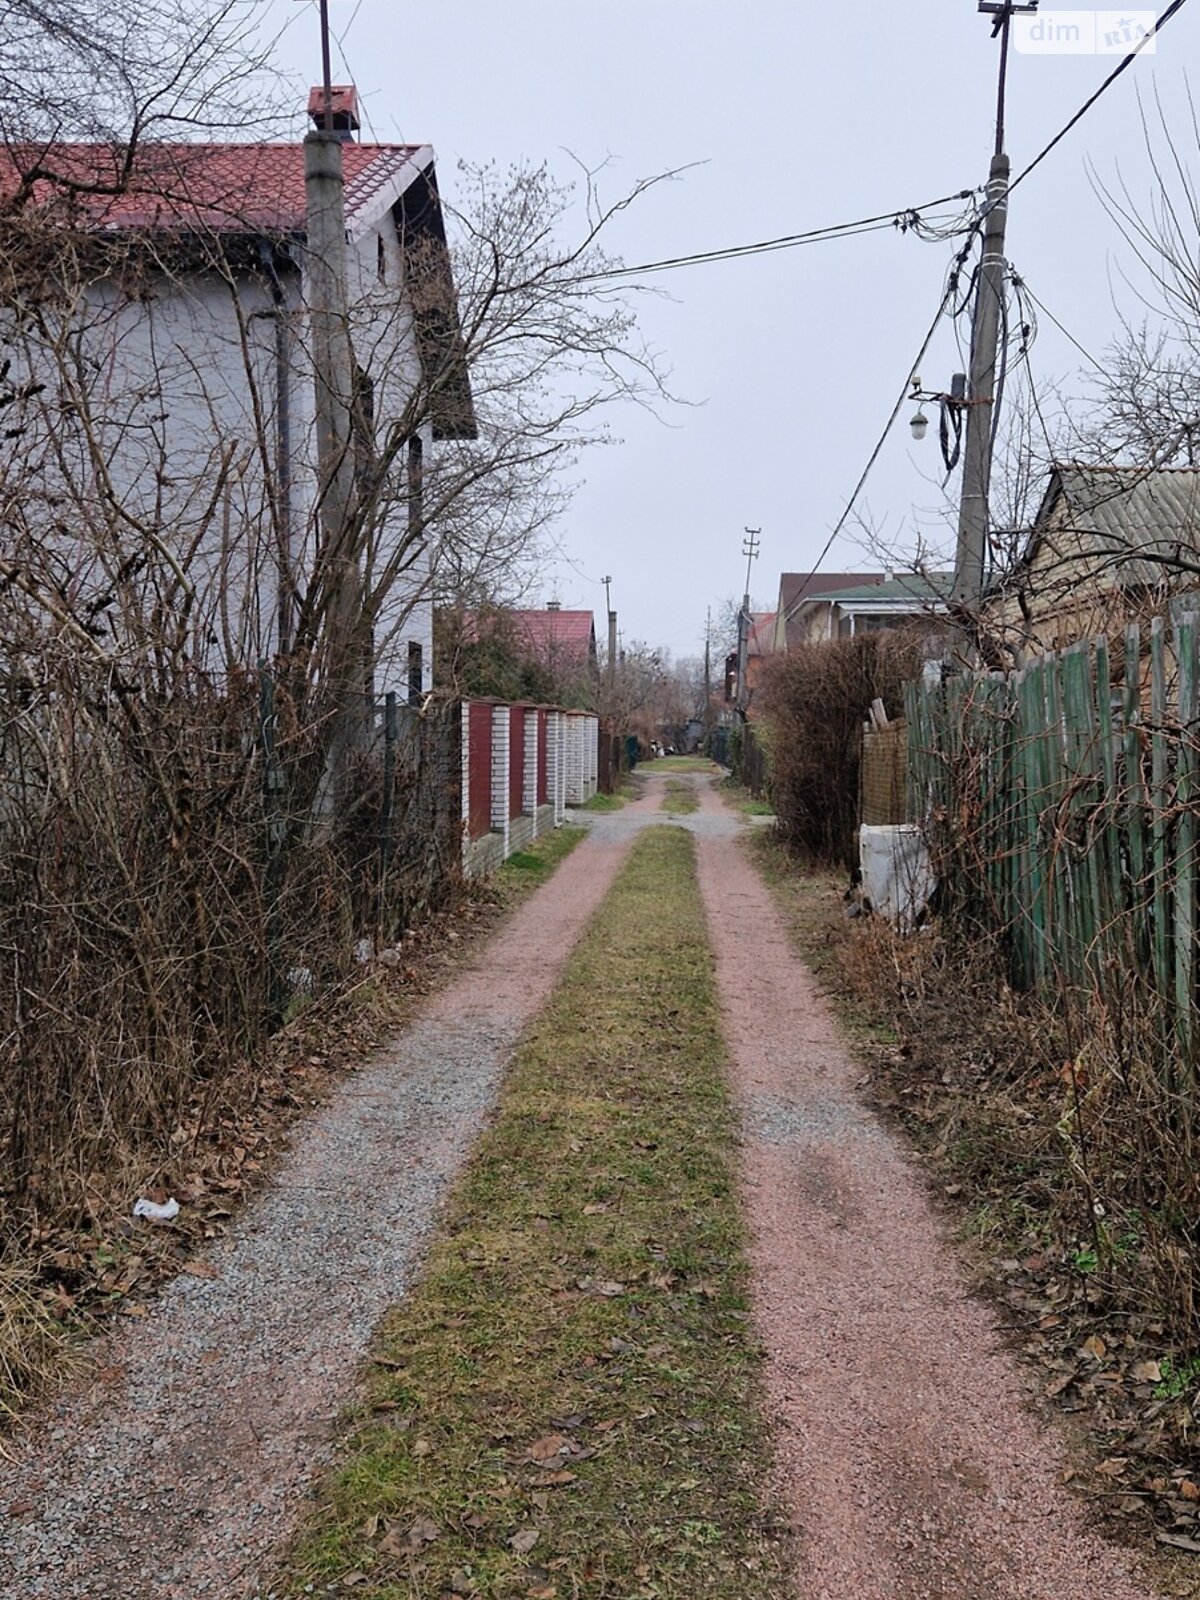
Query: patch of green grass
x=526 y=868
x=567 y=1404
x=680 y=798
x=1177 y=1377
x=606 y=802
x=681 y=764
x=739 y=797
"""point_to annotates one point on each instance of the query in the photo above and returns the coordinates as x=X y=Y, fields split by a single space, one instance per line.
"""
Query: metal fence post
x=274 y=784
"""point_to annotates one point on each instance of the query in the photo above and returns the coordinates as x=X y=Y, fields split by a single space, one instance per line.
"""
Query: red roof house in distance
x=559 y=640
x=759 y=646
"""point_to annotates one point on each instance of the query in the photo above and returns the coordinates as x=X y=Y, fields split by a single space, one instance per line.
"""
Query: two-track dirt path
x=907 y=1457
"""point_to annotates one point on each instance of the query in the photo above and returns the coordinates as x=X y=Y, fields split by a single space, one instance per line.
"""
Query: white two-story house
x=168 y=437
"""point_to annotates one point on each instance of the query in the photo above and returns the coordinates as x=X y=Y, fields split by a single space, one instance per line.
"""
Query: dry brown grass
x=72 y=1272
x=35 y=1345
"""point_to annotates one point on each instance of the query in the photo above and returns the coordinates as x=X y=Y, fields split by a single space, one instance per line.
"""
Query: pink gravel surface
x=907 y=1457
x=177 y=1467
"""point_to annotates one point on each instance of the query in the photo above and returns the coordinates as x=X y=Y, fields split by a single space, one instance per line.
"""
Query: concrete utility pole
x=981 y=402
x=751 y=545
x=971 y=557
x=333 y=374
x=612 y=632
x=708 y=672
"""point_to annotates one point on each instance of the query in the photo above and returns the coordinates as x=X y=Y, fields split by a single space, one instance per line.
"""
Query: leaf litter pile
x=567 y=1403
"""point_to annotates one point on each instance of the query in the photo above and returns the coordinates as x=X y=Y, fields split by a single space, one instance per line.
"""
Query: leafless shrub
x=814 y=701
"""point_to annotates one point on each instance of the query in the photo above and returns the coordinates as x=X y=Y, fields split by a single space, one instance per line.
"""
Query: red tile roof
x=230 y=188
x=557 y=635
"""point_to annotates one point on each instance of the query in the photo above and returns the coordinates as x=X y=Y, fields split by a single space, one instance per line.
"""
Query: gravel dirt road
x=179 y=1464
x=907 y=1457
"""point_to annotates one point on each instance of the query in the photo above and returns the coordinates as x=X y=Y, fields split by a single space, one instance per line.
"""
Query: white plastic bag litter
x=896 y=876
x=156 y=1213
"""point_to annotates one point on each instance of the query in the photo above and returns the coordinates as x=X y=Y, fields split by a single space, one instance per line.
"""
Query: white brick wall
x=500 y=735
x=592 y=737
x=553 y=764
x=560 y=787
x=576 y=759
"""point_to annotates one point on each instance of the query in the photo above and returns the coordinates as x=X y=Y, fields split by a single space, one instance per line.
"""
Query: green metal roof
x=908 y=587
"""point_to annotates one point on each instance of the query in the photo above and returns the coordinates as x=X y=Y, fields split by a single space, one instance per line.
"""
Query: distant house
x=548 y=655
x=194 y=389
x=870 y=603
x=761 y=644
x=563 y=642
x=795 y=588
x=1107 y=543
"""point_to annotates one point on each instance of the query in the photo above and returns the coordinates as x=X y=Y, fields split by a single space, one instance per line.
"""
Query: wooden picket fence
x=1061 y=806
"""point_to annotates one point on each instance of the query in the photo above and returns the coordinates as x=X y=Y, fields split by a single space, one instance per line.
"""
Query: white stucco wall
x=174 y=381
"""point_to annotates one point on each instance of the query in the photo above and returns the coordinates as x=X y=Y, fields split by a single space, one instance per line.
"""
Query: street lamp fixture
x=952 y=408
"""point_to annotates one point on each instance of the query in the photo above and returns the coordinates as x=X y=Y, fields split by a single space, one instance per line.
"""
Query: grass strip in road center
x=680 y=798
x=567 y=1403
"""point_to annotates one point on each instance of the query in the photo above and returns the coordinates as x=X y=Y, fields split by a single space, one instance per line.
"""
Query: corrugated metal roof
x=1131 y=519
x=224 y=188
x=910 y=587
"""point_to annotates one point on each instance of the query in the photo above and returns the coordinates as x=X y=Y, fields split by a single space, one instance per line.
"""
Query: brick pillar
x=575 y=761
x=555 y=771
x=501 y=722
x=532 y=723
x=593 y=755
x=466 y=778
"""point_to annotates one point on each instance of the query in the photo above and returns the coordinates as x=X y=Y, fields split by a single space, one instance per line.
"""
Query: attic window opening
x=381 y=259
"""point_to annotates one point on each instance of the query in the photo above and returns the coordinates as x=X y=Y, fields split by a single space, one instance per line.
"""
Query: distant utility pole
x=985 y=331
x=612 y=632
x=708 y=672
x=751 y=545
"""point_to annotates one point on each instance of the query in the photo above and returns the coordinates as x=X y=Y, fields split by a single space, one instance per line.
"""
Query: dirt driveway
x=907 y=1456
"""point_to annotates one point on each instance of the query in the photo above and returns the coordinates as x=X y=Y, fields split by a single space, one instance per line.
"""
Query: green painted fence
x=1061 y=806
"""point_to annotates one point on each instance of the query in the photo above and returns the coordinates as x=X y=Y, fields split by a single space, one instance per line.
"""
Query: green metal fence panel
x=1063 y=807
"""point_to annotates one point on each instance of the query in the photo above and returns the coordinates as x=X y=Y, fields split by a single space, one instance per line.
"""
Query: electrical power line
x=1123 y=66
x=911 y=219
x=1087 y=355
x=875 y=454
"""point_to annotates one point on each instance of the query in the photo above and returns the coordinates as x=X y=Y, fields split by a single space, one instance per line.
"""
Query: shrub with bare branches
x=814 y=701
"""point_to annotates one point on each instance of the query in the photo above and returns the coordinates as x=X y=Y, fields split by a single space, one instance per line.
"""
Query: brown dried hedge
x=814 y=701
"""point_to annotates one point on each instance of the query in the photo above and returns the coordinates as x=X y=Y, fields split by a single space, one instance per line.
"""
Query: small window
x=381 y=259
x=415 y=673
x=416 y=486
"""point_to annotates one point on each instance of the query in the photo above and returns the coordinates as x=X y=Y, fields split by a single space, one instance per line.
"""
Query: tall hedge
x=814 y=701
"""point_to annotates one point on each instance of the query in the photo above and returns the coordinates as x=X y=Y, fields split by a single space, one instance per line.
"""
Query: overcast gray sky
x=802 y=116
